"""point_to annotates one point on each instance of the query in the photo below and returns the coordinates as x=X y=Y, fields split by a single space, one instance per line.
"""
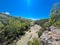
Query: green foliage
x=23 y=26
x=29 y=43
x=41 y=22
x=34 y=42
x=13 y=24
x=40 y=32
x=55 y=15
x=1 y=25
x=57 y=24
x=13 y=28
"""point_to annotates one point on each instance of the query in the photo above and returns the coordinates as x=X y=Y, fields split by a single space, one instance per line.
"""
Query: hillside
x=4 y=17
x=41 y=22
x=12 y=28
x=55 y=15
x=51 y=34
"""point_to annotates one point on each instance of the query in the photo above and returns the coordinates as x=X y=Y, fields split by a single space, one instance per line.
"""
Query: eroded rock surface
x=51 y=37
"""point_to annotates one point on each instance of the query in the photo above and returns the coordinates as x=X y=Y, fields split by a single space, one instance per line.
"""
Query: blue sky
x=32 y=9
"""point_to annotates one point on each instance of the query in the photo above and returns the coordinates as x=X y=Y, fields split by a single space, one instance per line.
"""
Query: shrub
x=34 y=42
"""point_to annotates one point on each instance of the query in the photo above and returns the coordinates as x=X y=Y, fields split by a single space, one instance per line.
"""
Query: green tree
x=13 y=27
x=55 y=14
x=1 y=25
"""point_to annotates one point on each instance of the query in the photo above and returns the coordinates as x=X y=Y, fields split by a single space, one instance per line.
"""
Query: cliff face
x=51 y=37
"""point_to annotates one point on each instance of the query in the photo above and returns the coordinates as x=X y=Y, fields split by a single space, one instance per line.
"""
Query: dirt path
x=29 y=35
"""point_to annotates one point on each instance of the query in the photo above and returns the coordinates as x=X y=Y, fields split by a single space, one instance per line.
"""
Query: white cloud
x=7 y=13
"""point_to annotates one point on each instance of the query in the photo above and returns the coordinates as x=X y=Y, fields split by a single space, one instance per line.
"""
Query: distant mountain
x=41 y=22
x=54 y=17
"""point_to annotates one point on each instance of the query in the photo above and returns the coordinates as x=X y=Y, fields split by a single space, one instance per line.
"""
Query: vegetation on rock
x=11 y=28
x=34 y=42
